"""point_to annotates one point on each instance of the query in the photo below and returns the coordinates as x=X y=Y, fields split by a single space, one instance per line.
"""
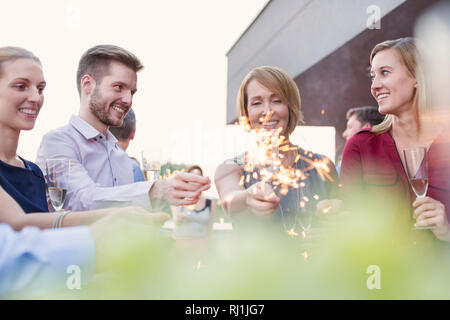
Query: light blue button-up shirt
x=33 y=261
x=100 y=175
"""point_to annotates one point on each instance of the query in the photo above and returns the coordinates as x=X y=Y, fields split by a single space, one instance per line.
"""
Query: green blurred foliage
x=258 y=261
x=169 y=168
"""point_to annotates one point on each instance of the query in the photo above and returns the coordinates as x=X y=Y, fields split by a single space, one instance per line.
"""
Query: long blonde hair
x=409 y=53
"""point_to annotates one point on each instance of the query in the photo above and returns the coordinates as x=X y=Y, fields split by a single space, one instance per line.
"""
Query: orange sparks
x=321 y=166
x=292 y=233
x=244 y=123
x=267 y=118
x=263 y=160
x=322 y=112
x=199 y=263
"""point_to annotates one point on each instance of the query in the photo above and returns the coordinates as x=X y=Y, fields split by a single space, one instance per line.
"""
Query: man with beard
x=100 y=172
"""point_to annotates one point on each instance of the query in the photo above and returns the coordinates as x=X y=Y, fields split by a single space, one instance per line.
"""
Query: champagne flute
x=151 y=164
x=57 y=177
x=417 y=171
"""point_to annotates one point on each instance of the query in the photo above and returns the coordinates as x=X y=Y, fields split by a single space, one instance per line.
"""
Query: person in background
x=124 y=134
x=101 y=174
x=195 y=220
x=361 y=118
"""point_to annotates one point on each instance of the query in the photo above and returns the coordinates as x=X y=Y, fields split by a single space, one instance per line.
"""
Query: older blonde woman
x=269 y=99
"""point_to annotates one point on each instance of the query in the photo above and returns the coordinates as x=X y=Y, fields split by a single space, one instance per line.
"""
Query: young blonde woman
x=22 y=87
x=373 y=160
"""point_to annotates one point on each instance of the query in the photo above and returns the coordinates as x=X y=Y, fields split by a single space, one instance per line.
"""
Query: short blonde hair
x=408 y=51
x=277 y=81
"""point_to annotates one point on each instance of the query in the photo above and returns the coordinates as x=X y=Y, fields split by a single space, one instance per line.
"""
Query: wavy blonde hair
x=409 y=53
x=277 y=81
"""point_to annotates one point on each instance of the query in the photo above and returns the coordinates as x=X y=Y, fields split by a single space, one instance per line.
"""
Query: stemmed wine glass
x=417 y=171
x=57 y=177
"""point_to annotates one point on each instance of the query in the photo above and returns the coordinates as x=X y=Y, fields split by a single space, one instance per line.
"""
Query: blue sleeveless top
x=25 y=185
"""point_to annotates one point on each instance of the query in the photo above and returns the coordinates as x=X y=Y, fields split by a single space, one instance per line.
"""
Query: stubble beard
x=101 y=111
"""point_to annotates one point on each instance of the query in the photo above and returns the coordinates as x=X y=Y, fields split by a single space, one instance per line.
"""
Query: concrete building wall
x=296 y=34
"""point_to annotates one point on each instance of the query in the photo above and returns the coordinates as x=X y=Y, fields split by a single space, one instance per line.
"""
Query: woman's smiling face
x=261 y=101
x=22 y=87
x=392 y=85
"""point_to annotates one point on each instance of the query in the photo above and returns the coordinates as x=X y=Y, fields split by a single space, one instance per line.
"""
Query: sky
x=181 y=96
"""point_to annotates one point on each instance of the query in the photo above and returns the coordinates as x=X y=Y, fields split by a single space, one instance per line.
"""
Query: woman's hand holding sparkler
x=261 y=199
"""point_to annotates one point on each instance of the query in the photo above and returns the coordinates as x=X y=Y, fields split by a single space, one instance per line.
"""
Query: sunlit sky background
x=182 y=44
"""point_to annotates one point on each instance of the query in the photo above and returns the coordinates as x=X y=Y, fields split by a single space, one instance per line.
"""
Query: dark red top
x=371 y=163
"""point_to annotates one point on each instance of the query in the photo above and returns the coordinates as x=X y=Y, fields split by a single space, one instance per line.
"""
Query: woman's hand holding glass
x=429 y=212
x=57 y=178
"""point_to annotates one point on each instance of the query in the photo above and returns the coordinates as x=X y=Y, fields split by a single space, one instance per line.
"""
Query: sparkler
x=263 y=161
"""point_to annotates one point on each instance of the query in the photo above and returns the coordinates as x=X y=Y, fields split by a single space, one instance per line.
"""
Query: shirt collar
x=88 y=131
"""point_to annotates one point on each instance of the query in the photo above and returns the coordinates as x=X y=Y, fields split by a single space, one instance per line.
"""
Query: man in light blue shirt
x=101 y=174
x=125 y=134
